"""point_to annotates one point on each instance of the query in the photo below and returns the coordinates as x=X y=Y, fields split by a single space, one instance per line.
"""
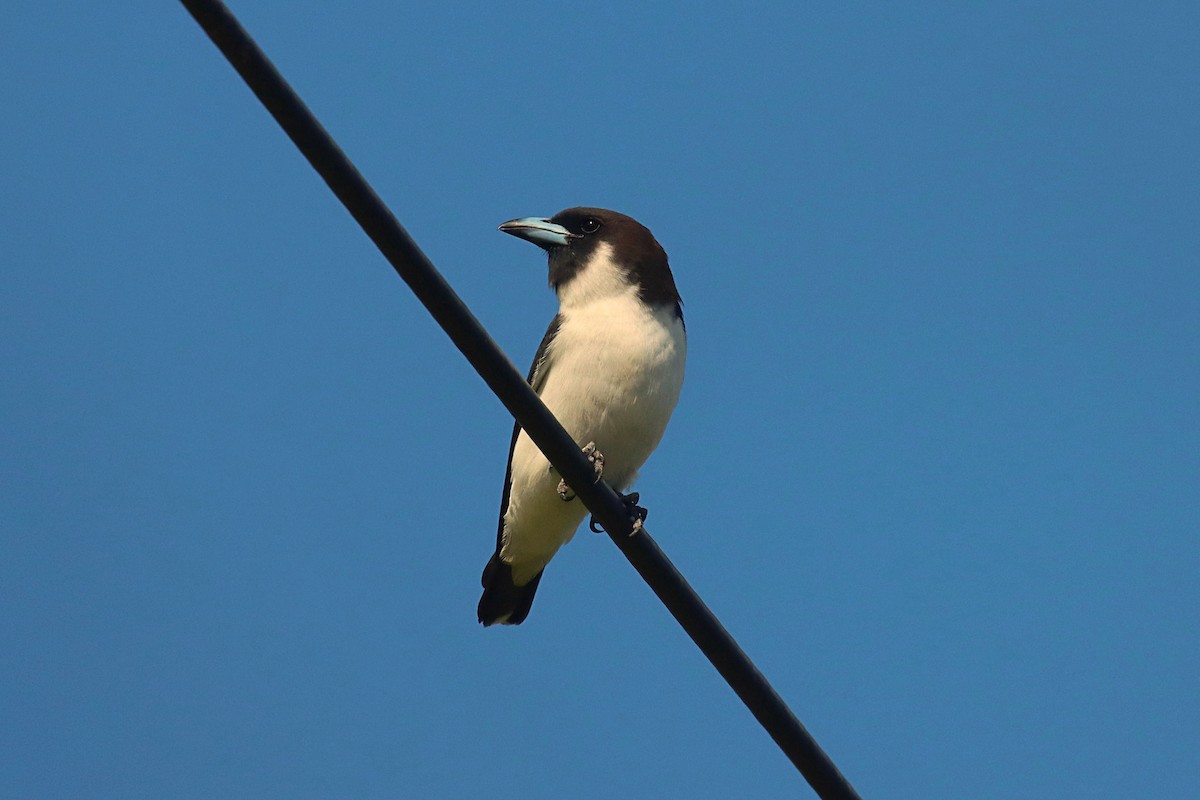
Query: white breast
x=615 y=370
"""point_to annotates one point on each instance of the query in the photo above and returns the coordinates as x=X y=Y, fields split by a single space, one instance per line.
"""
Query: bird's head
x=594 y=251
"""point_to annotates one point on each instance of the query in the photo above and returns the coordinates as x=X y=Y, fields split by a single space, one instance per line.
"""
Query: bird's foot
x=638 y=513
x=597 y=459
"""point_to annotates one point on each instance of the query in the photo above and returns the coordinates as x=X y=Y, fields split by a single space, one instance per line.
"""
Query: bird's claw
x=638 y=513
x=597 y=460
x=596 y=457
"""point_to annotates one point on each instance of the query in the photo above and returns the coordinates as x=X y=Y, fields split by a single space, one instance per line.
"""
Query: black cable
x=508 y=384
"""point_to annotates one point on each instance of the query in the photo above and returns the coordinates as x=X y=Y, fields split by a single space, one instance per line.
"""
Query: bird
x=610 y=368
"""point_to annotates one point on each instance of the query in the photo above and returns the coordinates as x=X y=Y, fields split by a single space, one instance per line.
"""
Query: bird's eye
x=590 y=225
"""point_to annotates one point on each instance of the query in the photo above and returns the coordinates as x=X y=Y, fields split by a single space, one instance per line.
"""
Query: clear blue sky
x=936 y=465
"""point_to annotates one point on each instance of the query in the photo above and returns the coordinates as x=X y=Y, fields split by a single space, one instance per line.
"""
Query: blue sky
x=936 y=464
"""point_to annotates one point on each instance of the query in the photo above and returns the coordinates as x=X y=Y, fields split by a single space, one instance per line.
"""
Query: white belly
x=615 y=372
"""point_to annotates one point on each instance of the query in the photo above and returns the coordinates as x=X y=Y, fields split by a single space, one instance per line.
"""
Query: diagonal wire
x=499 y=373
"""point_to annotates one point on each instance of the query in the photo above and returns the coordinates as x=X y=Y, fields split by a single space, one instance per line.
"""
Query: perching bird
x=610 y=369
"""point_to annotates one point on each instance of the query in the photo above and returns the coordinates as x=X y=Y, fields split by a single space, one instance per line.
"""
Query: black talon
x=638 y=513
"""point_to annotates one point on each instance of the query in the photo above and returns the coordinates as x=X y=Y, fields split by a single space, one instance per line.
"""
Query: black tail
x=503 y=601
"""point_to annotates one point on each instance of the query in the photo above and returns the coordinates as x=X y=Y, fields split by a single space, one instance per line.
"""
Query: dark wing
x=537 y=379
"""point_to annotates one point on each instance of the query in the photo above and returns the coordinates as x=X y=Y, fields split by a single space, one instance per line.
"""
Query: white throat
x=600 y=278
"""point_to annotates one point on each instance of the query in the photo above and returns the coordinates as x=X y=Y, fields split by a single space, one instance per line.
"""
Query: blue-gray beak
x=542 y=232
